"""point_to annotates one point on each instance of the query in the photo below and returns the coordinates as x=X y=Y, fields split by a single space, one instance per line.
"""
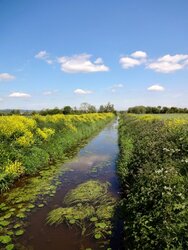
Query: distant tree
x=138 y=110
x=101 y=109
x=53 y=111
x=87 y=108
x=156 y=110
x=173 y=110
x=67 y=110
x=106 y=108
x=15 y=112
x=109 y=107
x=164 y=110
x=84 y=107
x=92 y=109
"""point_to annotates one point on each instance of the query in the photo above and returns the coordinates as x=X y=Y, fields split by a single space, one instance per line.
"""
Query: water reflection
x=86 y=162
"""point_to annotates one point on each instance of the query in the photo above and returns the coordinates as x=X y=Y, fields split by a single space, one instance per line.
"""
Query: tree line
x=156 y=110
x=66 y=110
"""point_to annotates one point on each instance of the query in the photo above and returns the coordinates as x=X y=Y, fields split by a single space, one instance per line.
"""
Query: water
x=97 y=161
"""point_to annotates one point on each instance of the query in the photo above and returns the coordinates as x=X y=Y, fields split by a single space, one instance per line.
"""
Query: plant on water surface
x=21 y=200
x=88 y=206
x=90 y=191
x=153 y=171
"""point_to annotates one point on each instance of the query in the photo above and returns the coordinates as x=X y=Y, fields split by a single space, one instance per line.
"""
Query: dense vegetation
x=30 y=143
x=153 y=168
x=156 y=110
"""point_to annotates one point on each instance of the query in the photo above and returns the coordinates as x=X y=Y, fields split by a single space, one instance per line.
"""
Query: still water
x=95 y=161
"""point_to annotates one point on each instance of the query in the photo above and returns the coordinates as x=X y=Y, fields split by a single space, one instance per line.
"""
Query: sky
x=65 y=52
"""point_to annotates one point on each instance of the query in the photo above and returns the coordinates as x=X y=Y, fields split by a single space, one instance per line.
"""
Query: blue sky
x=128 y=52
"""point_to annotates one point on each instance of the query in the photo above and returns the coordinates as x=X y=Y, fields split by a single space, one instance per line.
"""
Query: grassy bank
x=153 y=168
x=27 y=144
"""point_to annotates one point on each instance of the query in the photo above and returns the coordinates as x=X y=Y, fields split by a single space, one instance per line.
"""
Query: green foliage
x=156 y=110
x=5 y=239
x=19 y=232
x=30 y=143
x=153 y=172
x=35 y=159
x=10 y=247
x=4 y=223
x=89 y=206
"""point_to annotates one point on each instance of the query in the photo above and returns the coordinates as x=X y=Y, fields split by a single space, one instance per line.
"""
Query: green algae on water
x=18 y=202
x=88 y=206
x=90 y=191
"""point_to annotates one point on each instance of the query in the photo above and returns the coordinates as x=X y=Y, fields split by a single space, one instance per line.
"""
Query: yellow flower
x=45 y=133
x=26 y=139
x=14 y=168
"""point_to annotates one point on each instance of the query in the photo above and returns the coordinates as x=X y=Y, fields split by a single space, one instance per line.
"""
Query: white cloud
x=164 y=64
x=135 y=59
x=19 y=95
x=139 y=54
x=1 y=99
x=82 y=92
x=128 y=62
x=42 y=54
x=6 y=77
x=169 y=64
x=81 y=64
x=156 y=87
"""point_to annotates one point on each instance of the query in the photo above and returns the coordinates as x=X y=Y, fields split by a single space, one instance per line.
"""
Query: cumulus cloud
x=165 y=64
x=169 y=63
x=19 y=95
x=128 y=62
x=6 y=77
x=81 y=64
x=139 y=54
x=82 y=92
x=135 y=59
x=156 y=87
